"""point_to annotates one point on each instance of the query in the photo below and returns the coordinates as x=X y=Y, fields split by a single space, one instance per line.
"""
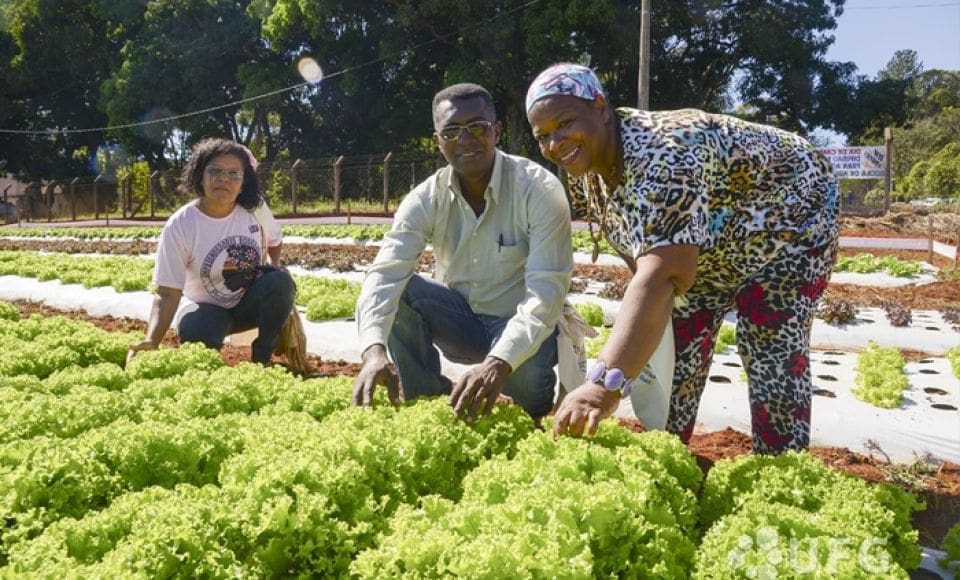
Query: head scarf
x=564 y=79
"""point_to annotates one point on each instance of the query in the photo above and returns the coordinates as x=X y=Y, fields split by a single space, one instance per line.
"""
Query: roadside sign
x=856 y=162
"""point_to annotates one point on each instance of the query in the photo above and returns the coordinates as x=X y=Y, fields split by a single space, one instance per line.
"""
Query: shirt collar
x=493 y=187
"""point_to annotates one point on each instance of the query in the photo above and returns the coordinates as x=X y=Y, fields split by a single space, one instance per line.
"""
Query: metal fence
x=331 y=185
x=303 y=186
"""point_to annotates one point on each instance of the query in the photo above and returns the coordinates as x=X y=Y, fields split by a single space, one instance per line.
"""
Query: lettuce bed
x=179 y=466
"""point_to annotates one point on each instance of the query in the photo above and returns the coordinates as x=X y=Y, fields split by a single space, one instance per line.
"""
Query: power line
x=51 y=132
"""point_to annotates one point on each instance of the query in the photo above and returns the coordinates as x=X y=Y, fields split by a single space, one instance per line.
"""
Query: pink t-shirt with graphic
x=211 y=259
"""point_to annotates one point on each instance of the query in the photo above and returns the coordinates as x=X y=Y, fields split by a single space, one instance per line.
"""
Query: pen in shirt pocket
x=500 y=243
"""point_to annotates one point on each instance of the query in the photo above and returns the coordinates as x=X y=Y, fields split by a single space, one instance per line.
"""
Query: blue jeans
x=265 y=305
x=432 y=316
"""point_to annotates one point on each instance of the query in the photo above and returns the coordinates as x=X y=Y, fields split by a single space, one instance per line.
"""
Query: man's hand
x=376 y=370
x=133 y=349
x=482 y=383
x=582 y=410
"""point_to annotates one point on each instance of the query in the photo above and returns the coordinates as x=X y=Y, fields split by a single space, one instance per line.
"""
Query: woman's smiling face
x=570 y=131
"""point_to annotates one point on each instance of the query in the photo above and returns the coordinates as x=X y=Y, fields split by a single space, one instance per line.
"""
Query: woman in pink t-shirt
x=222 y=253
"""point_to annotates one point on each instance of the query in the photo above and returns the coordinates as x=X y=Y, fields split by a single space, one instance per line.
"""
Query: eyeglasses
x=215 y=172
x=476 y=130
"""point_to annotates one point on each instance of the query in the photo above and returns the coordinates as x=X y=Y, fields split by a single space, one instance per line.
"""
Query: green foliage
x=591 y=312
x=753 y=505
x=565 y=508
x=953 y=355
x=583 y=242
x=8 y=311
x=123 y=273
x=594 y=345
x=171 y=362
x=777 y=541
x=124 y=59
x=278 y=188
x=726 y=336
x=106 y=375
x=196 y=469
x=370 y=232
x=111 y=233
x=868 y=263
x=951 y=546
x=942 y=177
x=881 y=378
x=327 y=298
x=46 y=345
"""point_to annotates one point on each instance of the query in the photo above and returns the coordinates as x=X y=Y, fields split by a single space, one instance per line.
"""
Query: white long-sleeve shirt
x=515 y=260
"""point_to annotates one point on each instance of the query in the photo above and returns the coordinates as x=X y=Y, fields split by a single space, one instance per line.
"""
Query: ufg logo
x=766 y=555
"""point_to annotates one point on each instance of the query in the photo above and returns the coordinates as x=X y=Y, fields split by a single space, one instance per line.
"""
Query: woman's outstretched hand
x=582 y=410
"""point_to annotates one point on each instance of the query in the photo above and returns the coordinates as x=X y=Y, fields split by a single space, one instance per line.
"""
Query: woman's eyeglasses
x=215 y=172
x=476 y=130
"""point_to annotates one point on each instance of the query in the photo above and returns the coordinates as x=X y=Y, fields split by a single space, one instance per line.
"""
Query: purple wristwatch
x=611 y=379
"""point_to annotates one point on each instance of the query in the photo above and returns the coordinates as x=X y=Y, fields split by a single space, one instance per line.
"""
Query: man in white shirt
x=500 y=229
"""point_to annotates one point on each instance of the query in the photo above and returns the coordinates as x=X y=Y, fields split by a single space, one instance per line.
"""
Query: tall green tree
x=129 y=62
x=54 y=56
x=185 y=57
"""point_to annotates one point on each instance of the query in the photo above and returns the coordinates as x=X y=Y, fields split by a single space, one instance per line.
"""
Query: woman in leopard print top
x=726 y=213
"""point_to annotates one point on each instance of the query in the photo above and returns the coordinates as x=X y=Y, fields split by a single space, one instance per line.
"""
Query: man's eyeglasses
x=215 y=172
x=476 y=130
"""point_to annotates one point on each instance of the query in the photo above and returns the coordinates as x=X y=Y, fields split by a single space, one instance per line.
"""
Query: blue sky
x=870 y=31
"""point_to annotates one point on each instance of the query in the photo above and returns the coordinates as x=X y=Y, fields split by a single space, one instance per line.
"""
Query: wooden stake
x=956 y=250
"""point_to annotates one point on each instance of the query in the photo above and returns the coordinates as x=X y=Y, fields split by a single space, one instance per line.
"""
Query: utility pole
x=643 y=79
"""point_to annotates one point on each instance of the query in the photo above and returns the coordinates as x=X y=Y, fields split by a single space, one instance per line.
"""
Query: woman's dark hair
x=191 y=179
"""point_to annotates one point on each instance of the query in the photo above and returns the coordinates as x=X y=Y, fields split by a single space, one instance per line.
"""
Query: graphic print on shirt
x=237 y=257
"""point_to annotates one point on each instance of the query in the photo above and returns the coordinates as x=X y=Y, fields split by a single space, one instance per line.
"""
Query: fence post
x=154 y=186
x=126 y=190
x=293 y=183
x=48 y=197
x=336 y=184
x=386 y=182
x=96 y=197
x=31 y=199
x=930 y=239
x=73 y=198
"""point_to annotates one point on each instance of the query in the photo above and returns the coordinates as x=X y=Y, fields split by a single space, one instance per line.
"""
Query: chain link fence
x=371 y=184
x=337 y=185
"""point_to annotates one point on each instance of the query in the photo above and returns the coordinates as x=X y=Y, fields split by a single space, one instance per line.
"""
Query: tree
x=768 y=55
x=903 y=66
x=184 y=58
x=53 y=56
x=131 y=62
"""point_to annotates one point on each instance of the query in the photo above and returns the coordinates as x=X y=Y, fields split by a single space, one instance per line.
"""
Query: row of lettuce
x=322 y=298
x=881 y=376
x=178 y=466
x=582 y=242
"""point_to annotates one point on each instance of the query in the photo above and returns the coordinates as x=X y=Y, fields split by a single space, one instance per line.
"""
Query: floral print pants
x=775 y=309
